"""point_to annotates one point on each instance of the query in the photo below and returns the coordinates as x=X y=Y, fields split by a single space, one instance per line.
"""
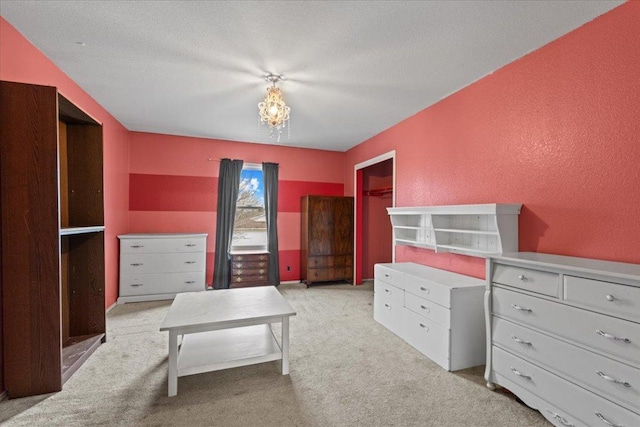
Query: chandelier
x=273 y=110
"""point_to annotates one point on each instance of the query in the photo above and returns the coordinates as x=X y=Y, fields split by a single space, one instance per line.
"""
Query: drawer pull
x=422 y=288
x=135 y=285
x=520 y=341
x=190 y=282
x=520 y=374
x=610 y=298
x=519 y=308
x=388 y=306
x=560 y=418
x=137 y=264
x=523 y=277
x=613 y=337
x=189 y=262
x=424 y=307
x=425 y=327
x=137 y=246
x=613 y=380
x=190 y=245
x=388 y=291
x=606 y=421
x=387 y=276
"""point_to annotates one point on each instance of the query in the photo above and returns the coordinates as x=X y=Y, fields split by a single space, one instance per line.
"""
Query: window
x=250 y=224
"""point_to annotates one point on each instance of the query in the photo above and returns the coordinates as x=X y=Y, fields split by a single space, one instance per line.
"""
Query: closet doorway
x=374 y=185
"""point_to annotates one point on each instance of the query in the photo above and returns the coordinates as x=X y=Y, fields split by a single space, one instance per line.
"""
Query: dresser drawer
x=248 y=271
x=428 y=309
x=541 y=282
x=427 y=337
x=588 y=369
x=582 y=407
x=330 y=261
x=329 y=273
x=250 y=257
x=166 y=283
x=158 y=263
x=394 y=277
x=606 y=297
x=429 y=290
x=249 y=264
x=616 y=337
x=387 y=305
x=248 y=278
x=160 y=245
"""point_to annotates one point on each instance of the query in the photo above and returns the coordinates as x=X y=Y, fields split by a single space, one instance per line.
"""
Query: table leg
x=285 y=345
x=173 y=363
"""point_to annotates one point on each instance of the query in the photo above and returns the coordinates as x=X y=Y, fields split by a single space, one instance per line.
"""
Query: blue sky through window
x=256 y=184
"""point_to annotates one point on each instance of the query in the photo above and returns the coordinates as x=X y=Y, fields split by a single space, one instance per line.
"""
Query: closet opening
x=374 y=191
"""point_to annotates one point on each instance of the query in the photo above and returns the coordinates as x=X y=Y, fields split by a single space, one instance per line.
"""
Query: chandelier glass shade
x=273 y=110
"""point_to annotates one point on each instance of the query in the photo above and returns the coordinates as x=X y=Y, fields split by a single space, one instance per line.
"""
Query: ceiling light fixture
x=273 y=110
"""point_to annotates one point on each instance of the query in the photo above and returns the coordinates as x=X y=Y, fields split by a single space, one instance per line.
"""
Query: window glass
x=250 y=225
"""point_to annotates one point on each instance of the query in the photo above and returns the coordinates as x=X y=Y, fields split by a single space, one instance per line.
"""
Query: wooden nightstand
x=249 y=268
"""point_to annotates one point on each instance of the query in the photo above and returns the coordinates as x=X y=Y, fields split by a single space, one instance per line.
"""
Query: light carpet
x=345 y=370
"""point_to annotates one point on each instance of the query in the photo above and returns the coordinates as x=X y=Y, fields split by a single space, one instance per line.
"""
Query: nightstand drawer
x=606 y=297
x=428 y=309
x=427 y=337
x=541 y=282
x=394 y=277
x=387 y=305
x=429 y=290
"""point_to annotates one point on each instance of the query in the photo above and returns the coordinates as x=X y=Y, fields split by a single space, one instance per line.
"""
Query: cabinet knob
x=425 y=308
x=388 y=306
x=387 y=291
x=522 y=277
x=425 y=327
x=610 y=298
x=423 y=289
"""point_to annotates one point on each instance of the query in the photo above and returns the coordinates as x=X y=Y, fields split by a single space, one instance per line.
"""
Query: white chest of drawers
x=563 y=334
x=438 y=312
x=158 y=266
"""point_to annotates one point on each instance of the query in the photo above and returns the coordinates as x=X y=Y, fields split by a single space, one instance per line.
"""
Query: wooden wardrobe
x=52 y=238
x=326 y=250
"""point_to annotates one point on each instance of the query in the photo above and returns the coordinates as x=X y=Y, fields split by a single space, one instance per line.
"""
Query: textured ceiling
x=353 y=68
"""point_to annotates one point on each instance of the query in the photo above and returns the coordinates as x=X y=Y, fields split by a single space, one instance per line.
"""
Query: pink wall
x=20 y=61
x=173 y=187
x=557 y=130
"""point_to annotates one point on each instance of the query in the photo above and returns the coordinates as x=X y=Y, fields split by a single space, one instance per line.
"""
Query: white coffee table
x=224 y=329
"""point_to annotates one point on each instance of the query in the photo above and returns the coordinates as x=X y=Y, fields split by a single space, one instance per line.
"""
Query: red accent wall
x=20 y=61
x=174 y=183
x=557 y=130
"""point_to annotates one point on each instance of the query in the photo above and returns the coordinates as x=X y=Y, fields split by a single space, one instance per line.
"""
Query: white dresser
x=158 y=266
x=438 y=312
x=563 y=334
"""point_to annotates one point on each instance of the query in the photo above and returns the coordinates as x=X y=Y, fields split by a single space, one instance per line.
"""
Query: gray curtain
x=270 y=175
x=228 y=183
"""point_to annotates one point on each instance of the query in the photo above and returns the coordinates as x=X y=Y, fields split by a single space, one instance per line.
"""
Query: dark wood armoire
x=52 y=238
x=326 y=250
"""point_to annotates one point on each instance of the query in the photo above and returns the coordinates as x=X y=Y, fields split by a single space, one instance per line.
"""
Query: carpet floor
x=345 y=370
